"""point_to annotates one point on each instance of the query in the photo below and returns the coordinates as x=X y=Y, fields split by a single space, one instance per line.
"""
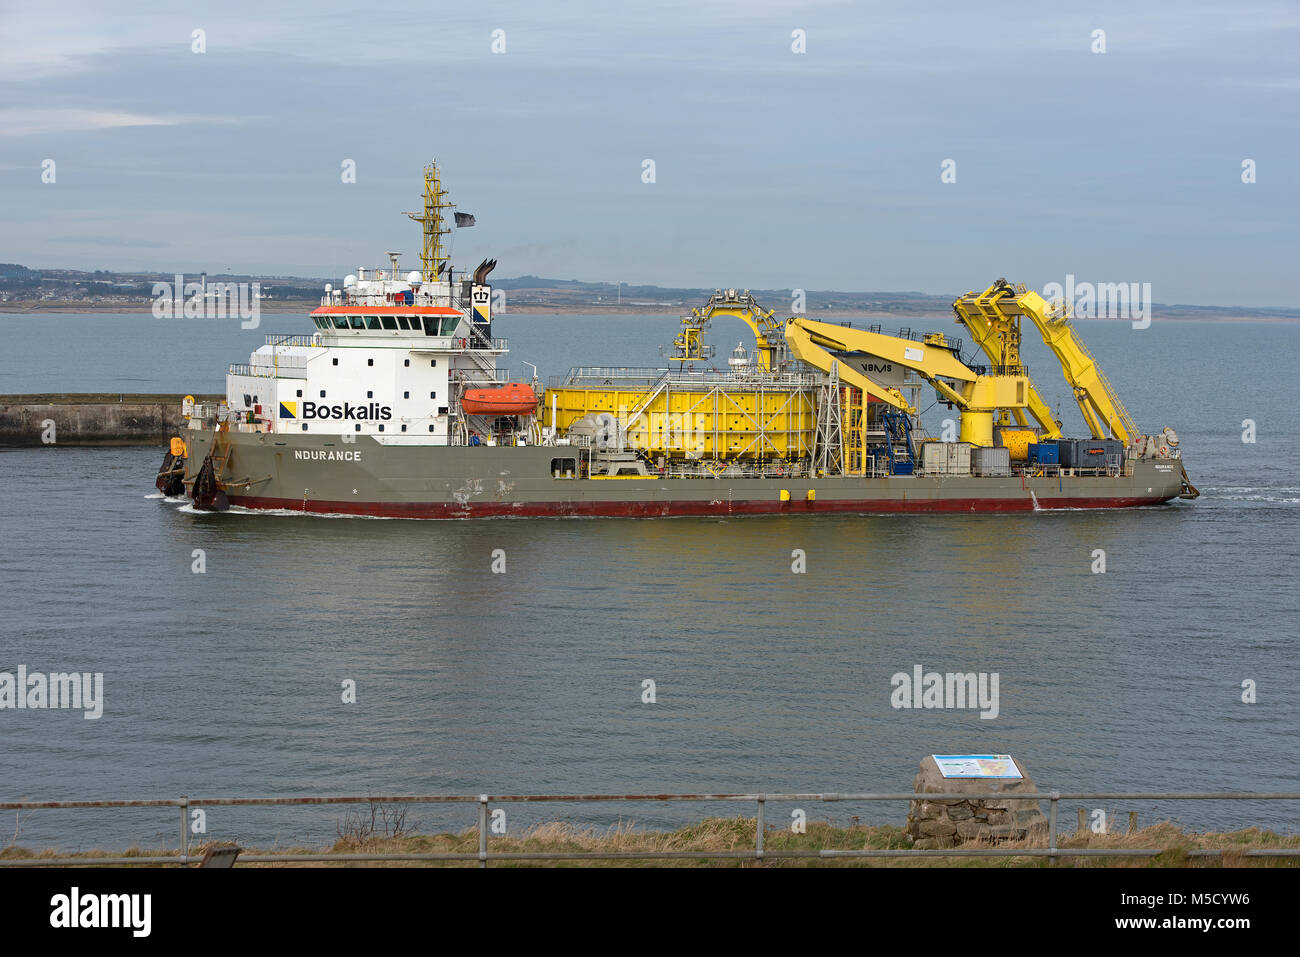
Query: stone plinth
x=947 y=823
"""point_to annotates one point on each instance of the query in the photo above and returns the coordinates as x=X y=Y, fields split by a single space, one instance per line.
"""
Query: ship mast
x=432 y=256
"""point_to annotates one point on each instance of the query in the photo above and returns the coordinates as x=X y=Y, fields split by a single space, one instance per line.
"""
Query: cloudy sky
x=818 y=170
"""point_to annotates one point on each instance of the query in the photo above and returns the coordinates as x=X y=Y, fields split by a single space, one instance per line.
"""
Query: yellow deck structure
x=692 y=415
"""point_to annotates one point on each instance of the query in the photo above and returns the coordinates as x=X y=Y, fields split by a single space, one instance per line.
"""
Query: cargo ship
x=396 y=404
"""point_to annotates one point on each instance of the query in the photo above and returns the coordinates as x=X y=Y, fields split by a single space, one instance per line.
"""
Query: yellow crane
x=993 y=318
x=978 y=396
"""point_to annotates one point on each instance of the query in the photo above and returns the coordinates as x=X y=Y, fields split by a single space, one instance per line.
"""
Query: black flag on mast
x=464 y=219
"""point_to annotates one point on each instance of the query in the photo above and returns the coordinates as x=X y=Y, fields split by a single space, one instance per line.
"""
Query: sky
x=773 y=168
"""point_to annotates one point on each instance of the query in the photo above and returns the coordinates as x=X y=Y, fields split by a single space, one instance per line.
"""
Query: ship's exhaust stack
x=481 y=273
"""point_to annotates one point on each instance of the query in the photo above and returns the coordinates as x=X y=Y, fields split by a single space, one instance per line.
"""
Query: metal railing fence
x=1052 y=851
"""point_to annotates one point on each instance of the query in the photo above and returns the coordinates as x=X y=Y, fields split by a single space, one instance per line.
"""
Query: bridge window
x=340 y=322
x=430 y=325
x=372 y=322
x=449 y=325
x=402 y=322
x=389 y=322
x=357 y=322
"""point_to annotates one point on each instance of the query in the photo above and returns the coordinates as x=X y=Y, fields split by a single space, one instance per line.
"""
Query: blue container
x=1045 y=453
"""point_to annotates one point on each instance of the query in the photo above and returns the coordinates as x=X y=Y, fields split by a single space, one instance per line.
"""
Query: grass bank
x=737 y=834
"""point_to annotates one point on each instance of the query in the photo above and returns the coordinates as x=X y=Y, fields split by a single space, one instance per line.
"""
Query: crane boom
x=1003 y=304
x=978 y=396
x=815 y=348
x=998 y=335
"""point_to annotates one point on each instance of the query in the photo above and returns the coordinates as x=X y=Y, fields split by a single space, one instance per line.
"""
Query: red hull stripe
x=664 y=509
x=386 y=310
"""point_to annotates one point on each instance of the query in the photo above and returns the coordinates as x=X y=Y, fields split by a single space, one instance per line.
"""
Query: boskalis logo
x=370 y=411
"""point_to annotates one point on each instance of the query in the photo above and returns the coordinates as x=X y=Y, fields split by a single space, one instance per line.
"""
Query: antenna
x=392 y=258
x=432 y=256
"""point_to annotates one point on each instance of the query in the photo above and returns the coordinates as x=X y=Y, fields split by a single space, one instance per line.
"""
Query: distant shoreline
x=304 y=308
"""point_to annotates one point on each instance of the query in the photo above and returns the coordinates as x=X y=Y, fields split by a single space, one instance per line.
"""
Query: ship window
x=449 y=325
x=300 y=393
x=442 y=410
x=431 y=427
x=403 y=428
x=248 y=400
x=406 y=395
x=357 y=322
x=370 y=395
x=433 y=395
x=401 y=321
x=322 y=393
x=430 y=325
x=372 y=322
x=406 y=362
x=340 y=322
x=370 y=362
x=432 y=363
x=389 y=322
x=304 y=426
x=381 y=428
x=358 y=426
x=336 y=361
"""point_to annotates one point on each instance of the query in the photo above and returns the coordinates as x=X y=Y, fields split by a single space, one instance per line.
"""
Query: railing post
x=760 y=825
x=1051 y=828
x=185 y=829
x=482 y=829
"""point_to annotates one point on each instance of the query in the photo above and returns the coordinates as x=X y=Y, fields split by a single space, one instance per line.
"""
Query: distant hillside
x=27 y=289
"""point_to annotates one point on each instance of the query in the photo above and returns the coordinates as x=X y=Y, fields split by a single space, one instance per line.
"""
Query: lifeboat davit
x=513 y=399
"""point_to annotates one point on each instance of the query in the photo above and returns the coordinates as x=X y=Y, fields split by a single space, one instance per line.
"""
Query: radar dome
x=349 y=280
x=413 y=277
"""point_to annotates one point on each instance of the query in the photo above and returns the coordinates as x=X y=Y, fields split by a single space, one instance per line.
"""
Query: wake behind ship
x=396 y=405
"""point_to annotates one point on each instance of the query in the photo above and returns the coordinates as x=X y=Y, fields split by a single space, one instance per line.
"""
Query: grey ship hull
x=326 y=475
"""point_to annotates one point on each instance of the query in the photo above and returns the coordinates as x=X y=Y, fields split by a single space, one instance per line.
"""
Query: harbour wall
x=69 y=418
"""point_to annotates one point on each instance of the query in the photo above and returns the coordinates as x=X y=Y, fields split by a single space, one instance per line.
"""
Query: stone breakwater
x=91 y=418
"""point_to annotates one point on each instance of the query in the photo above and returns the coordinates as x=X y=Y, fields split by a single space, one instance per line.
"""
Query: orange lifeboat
x=513 y=399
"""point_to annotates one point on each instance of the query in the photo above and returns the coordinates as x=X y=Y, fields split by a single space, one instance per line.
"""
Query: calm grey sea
x=228 y=683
